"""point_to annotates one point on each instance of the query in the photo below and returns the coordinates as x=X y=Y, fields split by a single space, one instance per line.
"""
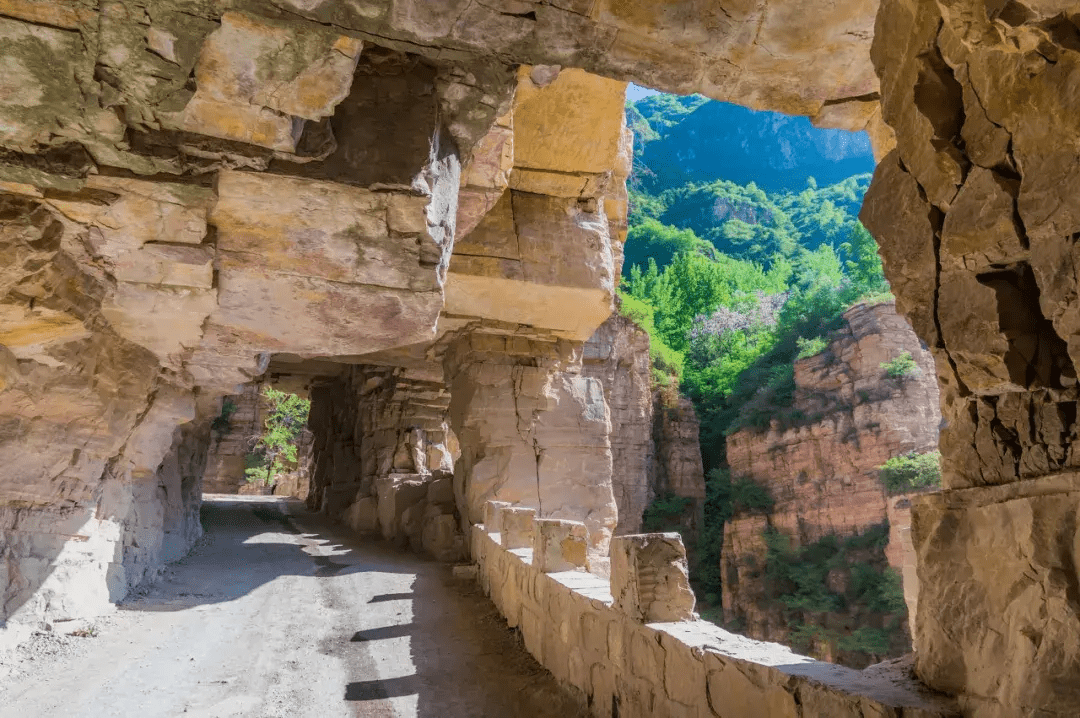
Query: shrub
x=664 y=513
x=810 y=347
x=910 y=472
x=276 y=447
x=750 y=496
x=865 y=639
x=902 y=368
x=220 y=425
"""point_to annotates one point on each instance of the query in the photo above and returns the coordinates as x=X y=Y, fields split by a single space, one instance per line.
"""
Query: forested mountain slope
x=743 y=254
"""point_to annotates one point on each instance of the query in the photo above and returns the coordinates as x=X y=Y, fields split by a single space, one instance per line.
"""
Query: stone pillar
x=533 y=431
x=517 y=527
x=493 y=515
x=977 y=213
x=560 y=545
x=649 y=578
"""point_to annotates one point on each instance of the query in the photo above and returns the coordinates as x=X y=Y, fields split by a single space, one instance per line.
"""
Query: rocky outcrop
x=680 y=471
x=851 y=418
x=654 y=446
x=975 y=215
x=189 y=191
x=617 y=355
x=823 y=473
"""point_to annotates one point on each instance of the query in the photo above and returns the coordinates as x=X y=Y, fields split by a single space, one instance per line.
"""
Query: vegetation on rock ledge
x=275 y=450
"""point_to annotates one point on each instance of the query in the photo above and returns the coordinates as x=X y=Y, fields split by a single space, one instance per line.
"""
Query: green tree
x=276 y=447
x=911 y=472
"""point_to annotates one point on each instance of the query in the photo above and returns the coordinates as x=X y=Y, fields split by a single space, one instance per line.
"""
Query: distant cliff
x=811 y=570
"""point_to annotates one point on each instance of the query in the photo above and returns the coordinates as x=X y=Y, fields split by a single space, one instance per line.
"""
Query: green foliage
x=911 y=472
x=667 y=364
x=276 y=447
x=665 y=513
x=902 y=368
x=748 y=495
x=649 y=239
x=221 y=423
x=865 y=639
x=797 y=579
x=810 y=347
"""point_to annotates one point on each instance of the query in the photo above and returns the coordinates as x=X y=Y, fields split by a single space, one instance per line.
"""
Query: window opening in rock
x=260 y=443
x=768 y=311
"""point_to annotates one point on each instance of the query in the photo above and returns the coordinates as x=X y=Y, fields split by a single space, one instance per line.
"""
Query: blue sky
x=635 y=93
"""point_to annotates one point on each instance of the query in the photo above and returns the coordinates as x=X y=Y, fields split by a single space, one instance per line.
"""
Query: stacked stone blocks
x=631 y=646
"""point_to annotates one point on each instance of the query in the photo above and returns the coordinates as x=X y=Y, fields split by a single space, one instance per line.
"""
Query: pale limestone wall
x=622 y=667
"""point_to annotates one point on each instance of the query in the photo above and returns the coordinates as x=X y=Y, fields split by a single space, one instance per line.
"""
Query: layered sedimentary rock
x=618 y=356
x=383 y=457
x=654 y=446
x=976 y=217
x=123 y=126
x=823 y=472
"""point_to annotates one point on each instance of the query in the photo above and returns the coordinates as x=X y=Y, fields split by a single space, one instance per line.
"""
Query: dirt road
x=278 y=614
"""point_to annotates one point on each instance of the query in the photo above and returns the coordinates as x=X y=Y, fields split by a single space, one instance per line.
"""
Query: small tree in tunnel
x=276 y=447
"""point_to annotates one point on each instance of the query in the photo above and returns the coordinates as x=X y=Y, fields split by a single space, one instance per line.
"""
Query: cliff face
x=823 y=475
x=187 y=192
x=655 y=447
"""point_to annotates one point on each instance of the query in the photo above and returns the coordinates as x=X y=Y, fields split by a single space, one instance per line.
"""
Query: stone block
x=442 y=539
x=493 y=515
x=560 y=545
x=684 y=671
x=517 y=527
x=395 y=495
x=649 y=577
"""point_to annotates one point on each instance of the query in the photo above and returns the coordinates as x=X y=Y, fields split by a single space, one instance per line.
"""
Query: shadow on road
x=413 y=640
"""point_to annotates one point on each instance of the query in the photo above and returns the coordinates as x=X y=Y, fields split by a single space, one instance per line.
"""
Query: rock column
x=533 y=430
x=977 y=215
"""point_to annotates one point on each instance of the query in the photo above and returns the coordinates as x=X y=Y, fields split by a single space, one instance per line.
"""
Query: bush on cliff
x=911 y=472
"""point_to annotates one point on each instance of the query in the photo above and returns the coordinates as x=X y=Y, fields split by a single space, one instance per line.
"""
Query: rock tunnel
x=415 y=210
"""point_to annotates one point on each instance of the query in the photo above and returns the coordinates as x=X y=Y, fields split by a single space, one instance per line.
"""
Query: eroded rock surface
x=822 y=473
x=976 y=222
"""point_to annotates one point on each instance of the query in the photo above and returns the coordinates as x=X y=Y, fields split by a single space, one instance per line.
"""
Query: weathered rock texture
x=823 y=474
x=631 y=645
x=654 y=447
x=189 y=189
x=976 y=215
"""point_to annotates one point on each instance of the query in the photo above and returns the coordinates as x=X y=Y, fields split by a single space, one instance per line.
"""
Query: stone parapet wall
x=620 y=666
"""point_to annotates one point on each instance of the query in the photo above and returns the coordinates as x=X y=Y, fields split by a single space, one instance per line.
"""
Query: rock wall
x=617 y=355
x=680 y=470
x=630 y=645
x=188 y=192
x=654 y=447
x=823 y=474
x=976 y=218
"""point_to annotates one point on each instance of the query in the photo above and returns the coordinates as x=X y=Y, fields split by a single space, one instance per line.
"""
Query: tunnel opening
x=749 y=270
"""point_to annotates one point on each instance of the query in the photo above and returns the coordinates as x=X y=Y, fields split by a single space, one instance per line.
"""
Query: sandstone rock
x=823 y=474
x=396 y=494
x=502 y=269
x=516 y=527
x=570 y=125
x=649 y=578
x=363 y=515
x=560 y=545
x=985 y=644
x=617 y=355
x=532 y=431
x=255 y=78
